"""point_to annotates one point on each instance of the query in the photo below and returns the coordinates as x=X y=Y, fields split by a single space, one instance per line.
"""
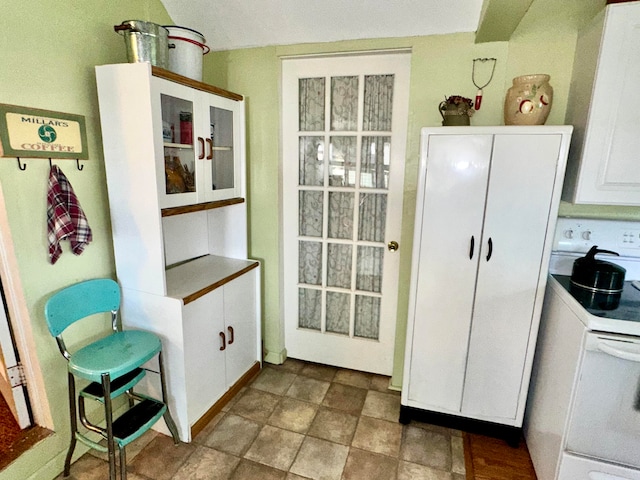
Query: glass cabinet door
x=222 y=165
x=222 y=179
x=201 y=146
x=178 y=142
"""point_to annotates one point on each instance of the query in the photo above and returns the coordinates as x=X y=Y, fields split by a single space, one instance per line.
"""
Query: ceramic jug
x=528 y=101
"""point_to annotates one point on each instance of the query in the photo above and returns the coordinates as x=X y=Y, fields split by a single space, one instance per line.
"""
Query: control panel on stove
x=579 y=235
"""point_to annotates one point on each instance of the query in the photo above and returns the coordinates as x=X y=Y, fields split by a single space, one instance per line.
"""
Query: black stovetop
x=627 y=309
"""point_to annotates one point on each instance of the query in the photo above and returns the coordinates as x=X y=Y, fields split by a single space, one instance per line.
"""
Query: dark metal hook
x=80 y=167
x=21 y=166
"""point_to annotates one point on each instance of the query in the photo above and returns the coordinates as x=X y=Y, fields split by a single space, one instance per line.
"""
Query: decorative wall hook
x=23 y=166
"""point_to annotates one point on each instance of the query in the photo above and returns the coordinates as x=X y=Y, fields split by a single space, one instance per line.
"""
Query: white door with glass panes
x=344 y=139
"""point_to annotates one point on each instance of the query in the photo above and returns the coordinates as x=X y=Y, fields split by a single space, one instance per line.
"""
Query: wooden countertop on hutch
x=193 y=279
x=189 y=82
x=168 y=212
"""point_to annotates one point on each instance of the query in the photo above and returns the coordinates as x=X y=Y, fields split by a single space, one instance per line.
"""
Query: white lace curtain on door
x=340 y=160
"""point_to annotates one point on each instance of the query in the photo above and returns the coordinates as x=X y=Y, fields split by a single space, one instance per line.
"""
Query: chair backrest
x=79 y=301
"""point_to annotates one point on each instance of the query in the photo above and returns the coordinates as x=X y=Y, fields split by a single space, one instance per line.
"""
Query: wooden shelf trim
x=202 y=292
x=198 y=207
x=189 y=82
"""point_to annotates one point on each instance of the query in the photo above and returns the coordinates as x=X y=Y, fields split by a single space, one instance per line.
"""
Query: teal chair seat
x=117 y=354
x=113 y=365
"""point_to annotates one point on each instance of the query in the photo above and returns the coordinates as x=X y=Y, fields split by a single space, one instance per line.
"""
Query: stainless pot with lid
x=596 y=283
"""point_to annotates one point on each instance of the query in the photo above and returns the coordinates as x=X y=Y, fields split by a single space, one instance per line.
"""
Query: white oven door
x=605 y=422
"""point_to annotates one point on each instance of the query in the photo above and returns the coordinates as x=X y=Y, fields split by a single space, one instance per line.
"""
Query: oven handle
x=631 y=351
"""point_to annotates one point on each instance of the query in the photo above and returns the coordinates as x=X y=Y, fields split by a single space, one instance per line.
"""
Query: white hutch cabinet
x=604 y=107
x=485 y=217
x=174 y=158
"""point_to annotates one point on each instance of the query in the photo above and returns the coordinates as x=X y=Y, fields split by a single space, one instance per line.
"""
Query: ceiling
x=232 y=24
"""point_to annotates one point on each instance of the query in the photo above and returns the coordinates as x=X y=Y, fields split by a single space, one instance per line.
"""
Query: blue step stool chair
x=112 y=365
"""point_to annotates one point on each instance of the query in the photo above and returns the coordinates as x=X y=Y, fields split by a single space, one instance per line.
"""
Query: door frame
x=386 y=366
x=20 y=322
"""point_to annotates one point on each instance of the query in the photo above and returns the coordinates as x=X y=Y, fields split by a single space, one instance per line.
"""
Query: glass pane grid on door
x=342 y=191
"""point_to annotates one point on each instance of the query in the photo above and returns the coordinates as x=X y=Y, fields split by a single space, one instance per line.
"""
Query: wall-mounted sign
x=30 y=132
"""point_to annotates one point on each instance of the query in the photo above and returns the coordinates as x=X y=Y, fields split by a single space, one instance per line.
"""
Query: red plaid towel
x=65 y=218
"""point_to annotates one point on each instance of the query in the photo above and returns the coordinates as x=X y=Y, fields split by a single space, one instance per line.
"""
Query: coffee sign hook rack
x=23 y=166
x=35 y=133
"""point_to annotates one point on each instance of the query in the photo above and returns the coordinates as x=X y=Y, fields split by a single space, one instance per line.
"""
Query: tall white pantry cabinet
x=175 y=164
x=485 y=216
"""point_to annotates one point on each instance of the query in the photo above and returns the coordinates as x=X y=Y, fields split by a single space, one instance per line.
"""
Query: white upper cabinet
x=181 y=140
x=604 y=107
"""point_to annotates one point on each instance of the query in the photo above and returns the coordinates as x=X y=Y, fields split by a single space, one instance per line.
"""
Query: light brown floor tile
x=346 y=398
x=294 y=415
x=353 y=378
x=130 y=476
x=370 y=466
x=334 y=425
x=457 y=476
x=308 y=389
x=161 y=459
x=293 y=476
x=320 y=372
x=207 y=464
x=248 y=470
x=426 y=447
x=208 y=429
x=275 y=447
x=255 y=405
x=233 y=434
x=235 y=398
x=320 y=460
x=457 y=455
x=380 y=383
x=385 y=406
x=413 y=471
x=290 y=365
x=378 y=436
x=273 y=381
x=132 y=449
x=434 y=428
x=87 y=467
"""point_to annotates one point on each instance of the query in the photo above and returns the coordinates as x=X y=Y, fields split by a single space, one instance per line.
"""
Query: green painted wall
x=48 y=51
x=544 y=42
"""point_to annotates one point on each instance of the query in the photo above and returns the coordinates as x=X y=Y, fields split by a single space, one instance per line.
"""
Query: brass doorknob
x=392 y=246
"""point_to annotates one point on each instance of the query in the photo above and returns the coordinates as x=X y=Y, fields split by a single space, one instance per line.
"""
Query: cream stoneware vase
x=528 y=101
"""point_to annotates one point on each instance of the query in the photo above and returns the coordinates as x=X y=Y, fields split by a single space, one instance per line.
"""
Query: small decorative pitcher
x=528 y=101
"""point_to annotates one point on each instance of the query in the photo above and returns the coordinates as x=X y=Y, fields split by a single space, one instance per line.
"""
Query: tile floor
x=299 y=421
